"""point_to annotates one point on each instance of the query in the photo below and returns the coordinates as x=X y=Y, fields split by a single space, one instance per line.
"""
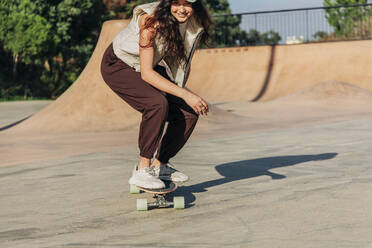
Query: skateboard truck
x=160 y=202
x=159 y=196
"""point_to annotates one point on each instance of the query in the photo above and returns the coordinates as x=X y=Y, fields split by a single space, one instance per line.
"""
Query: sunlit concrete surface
x=306 y=186
x=14 y=111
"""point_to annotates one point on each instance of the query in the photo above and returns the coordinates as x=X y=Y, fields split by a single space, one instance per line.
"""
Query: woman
x=147 y=65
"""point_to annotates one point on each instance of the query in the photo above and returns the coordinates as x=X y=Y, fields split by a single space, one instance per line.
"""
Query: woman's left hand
x=196 y=103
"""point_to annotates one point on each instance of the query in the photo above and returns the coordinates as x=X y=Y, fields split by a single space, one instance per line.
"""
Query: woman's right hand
x=196 y=103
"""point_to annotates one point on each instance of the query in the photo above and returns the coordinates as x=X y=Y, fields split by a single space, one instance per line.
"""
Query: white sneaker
x=166 y=172
x=145 y=178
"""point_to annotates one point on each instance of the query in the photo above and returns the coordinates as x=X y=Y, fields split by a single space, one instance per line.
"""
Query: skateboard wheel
x=142 y=205
x=133 y=189
x=179 y=202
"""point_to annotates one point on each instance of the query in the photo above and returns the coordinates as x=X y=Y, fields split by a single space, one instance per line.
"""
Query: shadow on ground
x=2 y=128
x=245 y=169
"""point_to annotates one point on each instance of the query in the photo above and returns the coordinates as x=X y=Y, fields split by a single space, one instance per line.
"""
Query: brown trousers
x=156 y=107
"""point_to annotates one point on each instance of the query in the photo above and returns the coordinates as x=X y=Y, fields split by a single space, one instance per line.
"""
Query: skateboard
x=159 y=196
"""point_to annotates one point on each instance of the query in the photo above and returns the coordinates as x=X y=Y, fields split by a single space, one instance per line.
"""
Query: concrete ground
x=14 y=111
x=270 y=184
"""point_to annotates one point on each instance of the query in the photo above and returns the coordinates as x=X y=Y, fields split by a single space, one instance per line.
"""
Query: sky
x=237 y=6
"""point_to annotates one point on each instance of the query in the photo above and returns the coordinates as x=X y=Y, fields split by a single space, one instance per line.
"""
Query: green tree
x=27 y=35
x=50 y=41
x=254 y=38
x=349 y=22
x=226 y=31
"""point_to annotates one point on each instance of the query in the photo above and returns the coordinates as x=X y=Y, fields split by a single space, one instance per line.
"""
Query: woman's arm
x=149 y=75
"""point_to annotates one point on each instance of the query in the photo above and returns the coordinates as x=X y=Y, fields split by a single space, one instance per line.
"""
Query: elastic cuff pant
x=156 y=107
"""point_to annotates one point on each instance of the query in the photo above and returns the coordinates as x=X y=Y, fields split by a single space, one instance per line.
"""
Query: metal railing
x=289 y=26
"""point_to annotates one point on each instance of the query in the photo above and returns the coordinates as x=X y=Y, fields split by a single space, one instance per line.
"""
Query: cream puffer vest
x=126 y=45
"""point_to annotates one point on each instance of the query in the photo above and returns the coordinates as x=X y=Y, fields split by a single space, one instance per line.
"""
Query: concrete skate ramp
x=219 y=75
x=267 y=73
x=329 y=91
x=89 y=104
x=230 y=74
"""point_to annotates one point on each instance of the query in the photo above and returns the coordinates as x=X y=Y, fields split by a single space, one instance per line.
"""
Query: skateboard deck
x=160 y=197
x=169 y=187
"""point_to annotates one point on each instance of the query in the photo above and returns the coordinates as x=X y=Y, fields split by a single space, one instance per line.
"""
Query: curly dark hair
x=167 y=30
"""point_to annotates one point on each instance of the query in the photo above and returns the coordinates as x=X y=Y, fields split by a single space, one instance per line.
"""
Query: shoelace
x=150 y=171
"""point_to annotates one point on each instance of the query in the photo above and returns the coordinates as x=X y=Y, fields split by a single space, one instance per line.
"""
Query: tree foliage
x=49 y=42
x=349 y=22
x=25 y=33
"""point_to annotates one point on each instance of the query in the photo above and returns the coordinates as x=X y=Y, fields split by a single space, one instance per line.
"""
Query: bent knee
x=159 y=104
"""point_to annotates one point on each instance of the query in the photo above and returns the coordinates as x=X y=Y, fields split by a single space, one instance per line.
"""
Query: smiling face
x=181 y=10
